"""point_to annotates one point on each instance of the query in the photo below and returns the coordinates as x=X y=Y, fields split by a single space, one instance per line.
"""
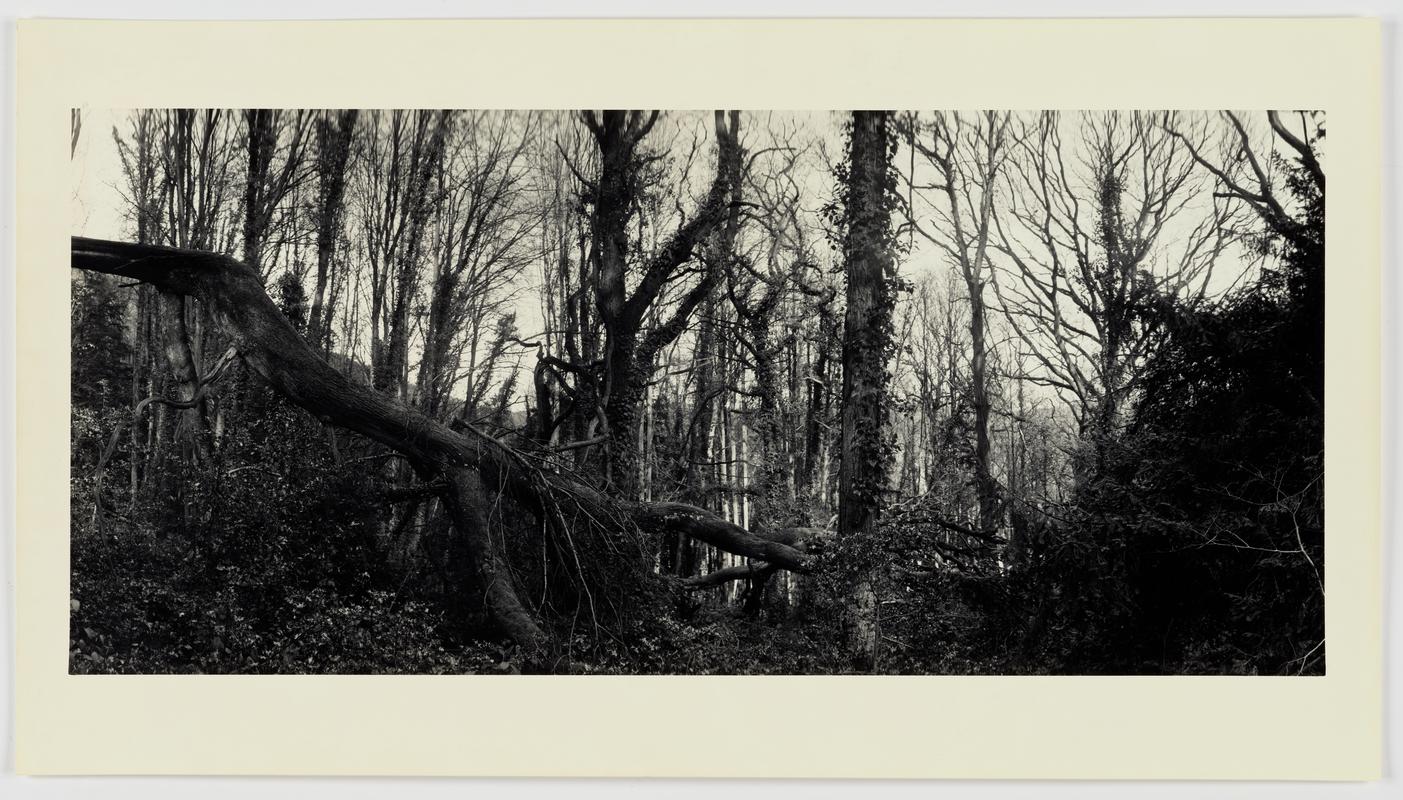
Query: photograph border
x=928 y=726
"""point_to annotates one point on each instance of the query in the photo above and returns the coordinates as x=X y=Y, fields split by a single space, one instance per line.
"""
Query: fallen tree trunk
x=705 y=526
x=465 y=501
x=463 y=463
x=269 y=344
x=725 y=575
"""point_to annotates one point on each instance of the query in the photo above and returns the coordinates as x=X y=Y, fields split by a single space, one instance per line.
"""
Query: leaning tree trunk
x=462 y=462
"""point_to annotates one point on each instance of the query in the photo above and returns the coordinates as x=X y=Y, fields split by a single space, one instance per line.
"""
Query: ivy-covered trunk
x=867 y=347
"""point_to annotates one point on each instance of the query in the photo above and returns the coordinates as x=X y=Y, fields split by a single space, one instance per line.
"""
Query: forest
x=685 y=392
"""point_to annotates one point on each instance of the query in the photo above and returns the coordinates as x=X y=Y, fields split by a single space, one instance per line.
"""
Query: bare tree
x=628 y=350
x=197 y=161
x=398 y=194
x=1091 y=240
x=275 y=144
x=1243 y=166
x=478 y=247
x=968 y=157
x=335 y=133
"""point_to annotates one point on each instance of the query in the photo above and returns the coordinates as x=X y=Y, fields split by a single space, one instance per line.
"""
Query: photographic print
x=639 y=392
x=917 y=386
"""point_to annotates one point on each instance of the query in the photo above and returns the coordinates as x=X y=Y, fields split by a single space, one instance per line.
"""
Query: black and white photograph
x=697 y=392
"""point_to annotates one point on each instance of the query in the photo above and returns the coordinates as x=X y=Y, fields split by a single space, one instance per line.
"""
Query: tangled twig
x=220 y=367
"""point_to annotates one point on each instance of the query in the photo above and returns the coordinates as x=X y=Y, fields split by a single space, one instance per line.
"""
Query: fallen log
x=462 y=463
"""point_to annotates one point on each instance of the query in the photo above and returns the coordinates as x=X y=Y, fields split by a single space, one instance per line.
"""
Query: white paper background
x=51 y=787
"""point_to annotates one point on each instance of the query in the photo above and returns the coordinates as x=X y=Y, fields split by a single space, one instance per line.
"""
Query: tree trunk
x=867 y=329
x=628 y=356
x=191 y=430
x=985 y=488
x=867 y=341
x=259 y=148
x=271 y=347
x=390 y=370
x=333 y=154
